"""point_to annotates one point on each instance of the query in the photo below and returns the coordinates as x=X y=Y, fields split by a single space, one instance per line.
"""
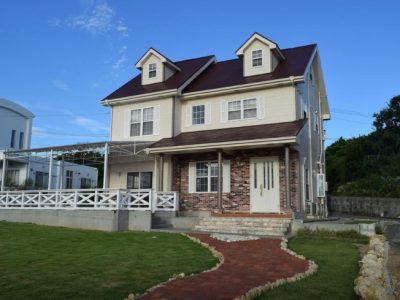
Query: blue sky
x=60 y=58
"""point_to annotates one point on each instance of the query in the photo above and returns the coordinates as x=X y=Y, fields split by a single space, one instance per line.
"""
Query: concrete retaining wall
x=365 y=229
x=105 y=220
x=373 y=207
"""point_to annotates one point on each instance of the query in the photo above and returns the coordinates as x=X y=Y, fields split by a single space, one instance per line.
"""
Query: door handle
x=261 y=189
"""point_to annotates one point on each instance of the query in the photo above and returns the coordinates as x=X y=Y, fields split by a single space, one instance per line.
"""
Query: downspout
x=220 y=208
x=287 y=176
x=310 y=163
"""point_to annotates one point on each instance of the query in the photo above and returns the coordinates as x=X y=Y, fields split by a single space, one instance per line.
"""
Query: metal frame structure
x=110 y=152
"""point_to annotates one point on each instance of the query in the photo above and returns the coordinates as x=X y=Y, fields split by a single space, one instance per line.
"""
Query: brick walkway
x=247 y=264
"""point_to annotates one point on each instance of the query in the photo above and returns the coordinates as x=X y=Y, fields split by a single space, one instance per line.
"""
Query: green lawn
x=41 y=262
x=337 y=259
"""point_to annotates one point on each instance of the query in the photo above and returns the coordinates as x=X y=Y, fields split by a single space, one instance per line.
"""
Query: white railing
x=167 y=201
x=105 y=199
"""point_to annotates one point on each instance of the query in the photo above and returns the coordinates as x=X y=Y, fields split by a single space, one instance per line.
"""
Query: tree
x=389 y=117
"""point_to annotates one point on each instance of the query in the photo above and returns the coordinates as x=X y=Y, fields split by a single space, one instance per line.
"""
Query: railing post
x=118 y=198
x=96 y=198
x=7 y=199
x=22 y=197
x=76 y=199
x=176 y=201
x=153 y=200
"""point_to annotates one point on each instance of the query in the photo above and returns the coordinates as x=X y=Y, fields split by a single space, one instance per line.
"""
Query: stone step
x=251 y=226
x=247 y=231
x=246 y=223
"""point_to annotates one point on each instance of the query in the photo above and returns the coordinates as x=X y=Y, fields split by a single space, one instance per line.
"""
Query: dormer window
x=152 y=70
x=257 y=58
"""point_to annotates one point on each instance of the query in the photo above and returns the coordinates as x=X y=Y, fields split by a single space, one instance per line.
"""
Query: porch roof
x=279 y=132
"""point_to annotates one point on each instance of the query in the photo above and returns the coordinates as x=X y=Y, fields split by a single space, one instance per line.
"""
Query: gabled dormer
x=260 y=55
x=155 y=67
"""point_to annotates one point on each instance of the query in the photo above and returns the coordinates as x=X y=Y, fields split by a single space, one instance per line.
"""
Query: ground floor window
x=68 y=179
x=12 y=177
x=86 y=183
x=207 y=176
x=139 y=180
x=41 y=180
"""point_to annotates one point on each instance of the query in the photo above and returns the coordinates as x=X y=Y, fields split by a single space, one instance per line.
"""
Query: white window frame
x=141 y=121
x=208 y=176
x=204 y=114
x=242 y=109
x=152 y=70
x=257 y=55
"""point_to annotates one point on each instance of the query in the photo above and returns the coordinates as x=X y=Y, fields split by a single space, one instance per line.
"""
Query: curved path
x=247 y=264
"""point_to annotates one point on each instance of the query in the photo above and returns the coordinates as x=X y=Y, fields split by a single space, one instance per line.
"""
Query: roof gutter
x=244 y=87
x=234 y=144
x=139 y=98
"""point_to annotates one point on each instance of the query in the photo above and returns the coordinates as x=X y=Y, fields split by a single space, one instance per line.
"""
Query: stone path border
x=246 y=269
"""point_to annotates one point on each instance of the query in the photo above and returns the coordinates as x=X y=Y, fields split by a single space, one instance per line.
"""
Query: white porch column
x=105 y=175
x=220 y=180
x=50 y=170
x=3 y=175
x=161 y=185
x=287 y=174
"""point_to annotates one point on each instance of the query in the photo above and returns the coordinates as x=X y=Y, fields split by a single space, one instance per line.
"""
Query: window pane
x=234 y=115
x=198 y=113
x=146 y=180
x=249 y=103
x=148 y=114
x=201 y=169
x=214 y=169
x=233 y=105
x=135 y=116
x=133 y=180
x=250 y=113
x=147 y=128
x=202 y=184
x=257 y=62
x=135 y=129
x=257 y=54
x=214 y=184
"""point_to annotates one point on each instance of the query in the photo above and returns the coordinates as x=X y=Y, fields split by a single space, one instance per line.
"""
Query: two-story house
x=242 y=135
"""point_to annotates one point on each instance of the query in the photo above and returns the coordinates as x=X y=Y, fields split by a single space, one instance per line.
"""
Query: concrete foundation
x=105 y=220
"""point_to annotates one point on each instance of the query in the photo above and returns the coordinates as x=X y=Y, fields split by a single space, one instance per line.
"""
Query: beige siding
x=118 y=172
x=248 y=69
x=120 y=122
x=279 y=106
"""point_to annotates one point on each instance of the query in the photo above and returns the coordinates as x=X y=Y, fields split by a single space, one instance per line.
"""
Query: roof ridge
x=206 y=56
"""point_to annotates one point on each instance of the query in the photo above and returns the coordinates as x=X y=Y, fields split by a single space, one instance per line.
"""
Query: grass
x=337 y=257
x=41 y=262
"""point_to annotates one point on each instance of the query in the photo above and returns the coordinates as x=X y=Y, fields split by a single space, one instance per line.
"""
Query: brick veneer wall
x=239 y=197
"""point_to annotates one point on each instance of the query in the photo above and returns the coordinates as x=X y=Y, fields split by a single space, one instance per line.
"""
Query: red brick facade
x=239 y=197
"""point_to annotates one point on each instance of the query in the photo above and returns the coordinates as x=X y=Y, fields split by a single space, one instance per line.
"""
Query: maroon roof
x=234 y=134
x=221 y=74
x=230 y=72
x=134 y=87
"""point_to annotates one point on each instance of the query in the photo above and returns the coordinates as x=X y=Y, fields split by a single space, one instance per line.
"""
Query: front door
x=264 y=184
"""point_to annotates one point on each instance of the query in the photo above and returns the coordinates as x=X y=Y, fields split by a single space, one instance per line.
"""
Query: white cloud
x=37 y=131
x=98 y=20
x=95 y=19
x=91 y=125
x=60 y=84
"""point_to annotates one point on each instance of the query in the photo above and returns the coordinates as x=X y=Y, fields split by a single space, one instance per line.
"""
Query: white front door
x=264 y=184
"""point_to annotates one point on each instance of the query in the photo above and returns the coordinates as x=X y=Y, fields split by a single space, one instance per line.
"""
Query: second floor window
x=242 y=109
x=256 y=56
x=21 y=140
x=198 y=114
x=142 y=121
x=152 y=70
x=12 y=143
